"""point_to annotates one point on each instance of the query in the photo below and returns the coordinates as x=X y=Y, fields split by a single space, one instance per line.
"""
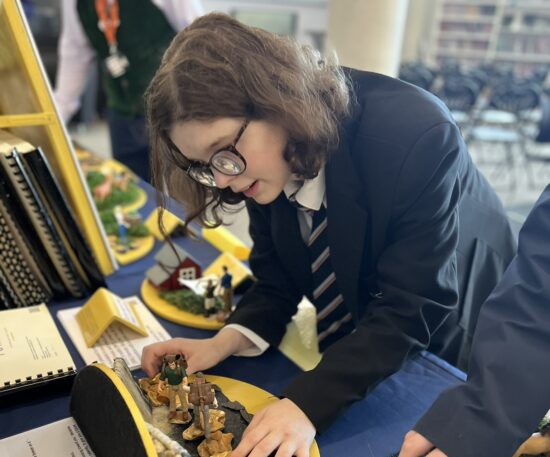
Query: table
x=373 y=427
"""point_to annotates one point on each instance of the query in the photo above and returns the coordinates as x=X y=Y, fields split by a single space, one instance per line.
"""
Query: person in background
x=128 y=37
x=361 y=195
x=506 y=394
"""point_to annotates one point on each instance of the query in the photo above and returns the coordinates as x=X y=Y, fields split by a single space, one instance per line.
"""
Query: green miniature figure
x=173 y=372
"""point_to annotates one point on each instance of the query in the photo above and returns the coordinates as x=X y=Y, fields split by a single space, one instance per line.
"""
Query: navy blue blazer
x=507 y=392
x=417 y=238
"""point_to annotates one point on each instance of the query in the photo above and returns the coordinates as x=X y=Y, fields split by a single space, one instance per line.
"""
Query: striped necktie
x=333 y=319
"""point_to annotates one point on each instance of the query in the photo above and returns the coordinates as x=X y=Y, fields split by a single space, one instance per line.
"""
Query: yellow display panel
x=169 y=220
x=238 y=270
x=103 y=309
x=225 y=241
x=27 y=111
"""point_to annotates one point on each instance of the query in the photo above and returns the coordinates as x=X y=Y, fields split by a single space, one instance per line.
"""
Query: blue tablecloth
x=373 y=427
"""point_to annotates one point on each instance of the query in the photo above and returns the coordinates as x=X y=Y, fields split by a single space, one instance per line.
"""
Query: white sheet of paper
x=58 y=439
x=198 y=285
x=118 y=340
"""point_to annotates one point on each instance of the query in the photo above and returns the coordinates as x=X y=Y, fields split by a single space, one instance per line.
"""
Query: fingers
x=282 y=426
x=436 y=453
x=151 y=356
x=150 y=361
x=286 y=450
x=302 y=451
x=251 y=436
x=199 y=354
x=415 y=445
x=252 y=446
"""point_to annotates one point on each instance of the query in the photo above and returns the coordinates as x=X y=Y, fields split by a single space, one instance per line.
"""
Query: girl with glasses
x=361 y=196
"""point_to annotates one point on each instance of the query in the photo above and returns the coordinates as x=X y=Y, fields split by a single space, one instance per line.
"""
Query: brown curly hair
x=218 y=67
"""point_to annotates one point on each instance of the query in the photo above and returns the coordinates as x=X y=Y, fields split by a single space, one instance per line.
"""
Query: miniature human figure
x=209 y=298
x=227 y=290
x=202 y=396
x=401 y=238
x=173 y=372
x=123 y=225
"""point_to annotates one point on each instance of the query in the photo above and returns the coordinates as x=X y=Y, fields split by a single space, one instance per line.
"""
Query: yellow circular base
x=166 y=310
x=142 y=247
x=251 y=397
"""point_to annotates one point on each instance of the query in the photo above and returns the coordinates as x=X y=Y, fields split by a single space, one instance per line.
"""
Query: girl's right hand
x=199 y=354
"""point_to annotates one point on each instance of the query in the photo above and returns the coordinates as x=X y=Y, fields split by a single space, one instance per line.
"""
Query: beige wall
x=367 y=34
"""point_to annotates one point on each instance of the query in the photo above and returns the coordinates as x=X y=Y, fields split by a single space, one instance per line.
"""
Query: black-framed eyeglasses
x=227 y=160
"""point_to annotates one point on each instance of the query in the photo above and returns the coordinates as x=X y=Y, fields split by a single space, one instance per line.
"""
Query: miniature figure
x=173 y=372
x=209 y=298
x=202 y=396
x=226 y=294
x=103 y=190
x=110 y=188
x=123 y=226
x=122 y=179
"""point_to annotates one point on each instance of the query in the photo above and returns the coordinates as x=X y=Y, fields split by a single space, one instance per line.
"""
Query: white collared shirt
x=310 y=194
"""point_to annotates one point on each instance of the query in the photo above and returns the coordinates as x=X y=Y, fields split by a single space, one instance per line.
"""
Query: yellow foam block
x=103 y=309
x=238 y=270
x=169 y=220
x=225 y=241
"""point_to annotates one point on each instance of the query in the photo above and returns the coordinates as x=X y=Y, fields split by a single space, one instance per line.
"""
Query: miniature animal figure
x=103 y=190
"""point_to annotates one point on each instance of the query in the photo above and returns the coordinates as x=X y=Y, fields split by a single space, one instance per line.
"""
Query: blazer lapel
x=289 y=244
x=347 y=222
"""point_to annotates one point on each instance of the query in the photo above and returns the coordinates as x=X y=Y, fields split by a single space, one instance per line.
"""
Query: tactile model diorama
x=214 y=421
x=177 y=288
x=185 y=415
x=118 y=197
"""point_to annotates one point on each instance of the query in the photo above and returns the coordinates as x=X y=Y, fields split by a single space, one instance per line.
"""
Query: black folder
x=44 y=181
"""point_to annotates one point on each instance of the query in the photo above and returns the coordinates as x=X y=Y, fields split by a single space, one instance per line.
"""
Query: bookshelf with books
x=525 y=33
x=472 y=32
x=28 y=112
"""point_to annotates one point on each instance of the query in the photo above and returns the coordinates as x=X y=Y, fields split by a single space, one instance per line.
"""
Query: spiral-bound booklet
x=32 y=351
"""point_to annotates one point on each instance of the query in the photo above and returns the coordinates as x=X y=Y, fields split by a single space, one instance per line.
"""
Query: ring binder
x=34 y=354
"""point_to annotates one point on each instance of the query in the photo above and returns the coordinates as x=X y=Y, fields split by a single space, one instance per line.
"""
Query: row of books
x=43 y=254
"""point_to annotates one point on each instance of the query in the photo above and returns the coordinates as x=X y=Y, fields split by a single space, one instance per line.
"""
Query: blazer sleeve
x=416 y=277
x=270 y=303
x=506 y=393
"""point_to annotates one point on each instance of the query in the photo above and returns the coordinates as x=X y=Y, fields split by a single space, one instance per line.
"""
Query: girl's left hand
x=281 y=425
